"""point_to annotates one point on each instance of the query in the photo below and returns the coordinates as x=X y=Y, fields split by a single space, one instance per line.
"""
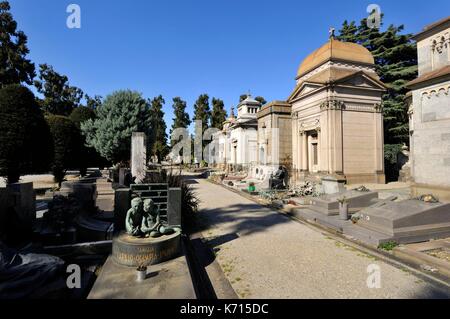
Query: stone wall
x=431 y=135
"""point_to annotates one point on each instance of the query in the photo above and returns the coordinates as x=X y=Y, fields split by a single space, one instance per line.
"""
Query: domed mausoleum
x=337 y=119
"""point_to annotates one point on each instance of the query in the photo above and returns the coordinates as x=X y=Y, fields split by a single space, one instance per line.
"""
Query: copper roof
x=335 y=50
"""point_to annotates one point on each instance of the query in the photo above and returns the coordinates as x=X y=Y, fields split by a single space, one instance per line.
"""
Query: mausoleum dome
x=335 y=50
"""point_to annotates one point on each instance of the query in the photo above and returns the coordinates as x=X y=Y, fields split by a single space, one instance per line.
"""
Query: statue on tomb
x=152 y=226
x=134 y=218
x=277 y=180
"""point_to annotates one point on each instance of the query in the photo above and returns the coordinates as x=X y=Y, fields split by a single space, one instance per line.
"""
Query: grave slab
x=169 y=280
x=408 y=221
x=329 y=204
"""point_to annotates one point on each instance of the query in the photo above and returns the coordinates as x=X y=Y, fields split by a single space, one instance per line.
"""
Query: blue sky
x=188 y=47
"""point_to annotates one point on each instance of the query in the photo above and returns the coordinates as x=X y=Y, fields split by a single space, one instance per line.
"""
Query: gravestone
x=139 y=157
x=24 y=202
x=123 y=177
x=174 y=207
x=408 y=221
x=5 y=204
x=84 y=193
x=329 y=204
x=122 y=203
x=333 y=184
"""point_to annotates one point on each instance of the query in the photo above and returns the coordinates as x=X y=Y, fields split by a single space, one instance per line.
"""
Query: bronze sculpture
x=144 y=220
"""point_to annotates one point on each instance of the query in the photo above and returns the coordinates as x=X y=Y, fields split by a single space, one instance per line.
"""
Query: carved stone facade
x=337 y=120
x=429 y=107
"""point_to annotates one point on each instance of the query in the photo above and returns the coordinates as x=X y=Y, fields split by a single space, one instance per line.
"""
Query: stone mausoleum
x=430 y=113
x=274 y=139
x=337 y=119
x=237 y=142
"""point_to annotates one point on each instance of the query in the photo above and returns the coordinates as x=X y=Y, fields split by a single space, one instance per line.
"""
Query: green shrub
x=81 y=114
x=389 y=246
x=66 y=145
x=25 y=141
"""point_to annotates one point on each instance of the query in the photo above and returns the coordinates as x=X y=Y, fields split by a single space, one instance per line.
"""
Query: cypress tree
x=202 y=111
x=219 y=115
x=158 y=137
x=181 y=119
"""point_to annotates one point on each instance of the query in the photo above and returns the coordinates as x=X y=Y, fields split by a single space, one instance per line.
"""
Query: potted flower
x=251 y=187
x=343 y=208
x=141 y=272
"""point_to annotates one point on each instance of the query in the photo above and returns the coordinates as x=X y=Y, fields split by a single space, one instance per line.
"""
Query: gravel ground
x=39 y=181
x=267 y=255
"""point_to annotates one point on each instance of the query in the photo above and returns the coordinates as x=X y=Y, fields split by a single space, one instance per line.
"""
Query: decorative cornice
x=332 y=105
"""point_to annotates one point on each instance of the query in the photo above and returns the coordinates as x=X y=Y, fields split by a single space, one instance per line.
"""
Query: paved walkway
x=266 y=255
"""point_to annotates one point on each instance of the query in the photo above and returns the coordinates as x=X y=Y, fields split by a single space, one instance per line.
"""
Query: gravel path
x=267 y=255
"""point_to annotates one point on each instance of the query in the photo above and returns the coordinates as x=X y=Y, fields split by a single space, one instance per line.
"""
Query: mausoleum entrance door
x=313 y=150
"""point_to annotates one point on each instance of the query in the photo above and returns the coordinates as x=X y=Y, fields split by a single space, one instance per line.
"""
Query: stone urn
x=343 y=209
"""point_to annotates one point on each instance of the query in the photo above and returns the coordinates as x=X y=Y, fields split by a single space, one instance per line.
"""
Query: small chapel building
x=430 y=113
x=238 y=140
x=337 y=115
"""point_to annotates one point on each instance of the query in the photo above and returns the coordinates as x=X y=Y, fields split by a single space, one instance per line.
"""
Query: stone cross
x=332 y=31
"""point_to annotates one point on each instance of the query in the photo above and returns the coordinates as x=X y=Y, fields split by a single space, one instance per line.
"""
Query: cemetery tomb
x=408 y=221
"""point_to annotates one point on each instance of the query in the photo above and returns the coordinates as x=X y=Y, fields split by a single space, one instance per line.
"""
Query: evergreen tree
x=15 y=68
x=67 y=145
x=121 y=114
x=261 y=100
x=59 y=97
x=93 y=102
x=202 y=111
x=396 y=61
x=181 y=116
x=242 y=97
x=219 y=115
x=158 y=137
x=26 y=145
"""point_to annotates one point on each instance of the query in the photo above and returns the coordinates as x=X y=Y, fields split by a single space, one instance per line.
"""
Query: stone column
x=138 y=156
x=304 y=154
x=379 y=143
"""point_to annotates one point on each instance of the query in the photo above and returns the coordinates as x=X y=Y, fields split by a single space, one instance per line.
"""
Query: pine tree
x=59 y=97
x=121 y=114
x=219 y=115
x=15 y=68
x=396 y=62
x=158 y=137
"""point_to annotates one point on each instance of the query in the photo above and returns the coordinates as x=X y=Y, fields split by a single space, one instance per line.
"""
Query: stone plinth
x=169 y=280
x=133 y=252
x=333 y=184
x=329 y=204
x=174 y=207
x=122 y=203
x=408 y=221
x=24 y=202
x=138 y=156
